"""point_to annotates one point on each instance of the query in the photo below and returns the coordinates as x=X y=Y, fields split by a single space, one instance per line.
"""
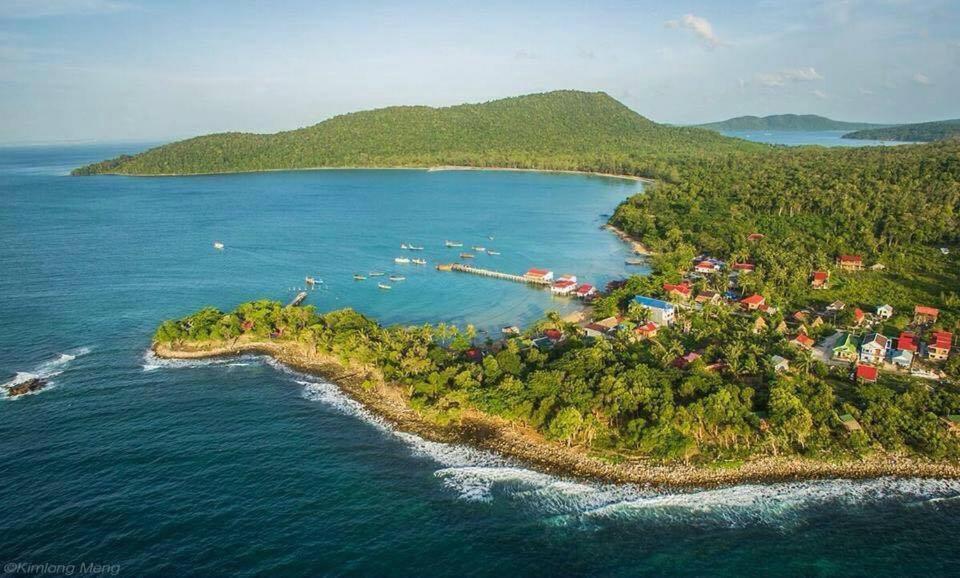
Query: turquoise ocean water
x=241 y=467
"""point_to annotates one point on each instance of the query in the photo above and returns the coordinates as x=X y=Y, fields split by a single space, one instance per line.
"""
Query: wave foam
x=151 y=362
x=46 y=370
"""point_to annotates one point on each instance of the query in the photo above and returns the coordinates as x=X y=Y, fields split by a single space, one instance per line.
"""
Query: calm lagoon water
x=827 y=138
x=243 y=468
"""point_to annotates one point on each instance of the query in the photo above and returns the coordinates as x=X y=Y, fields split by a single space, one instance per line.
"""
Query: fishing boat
x=218 y=245
x=384 y=286
x=453 y=244
x=401 y=260
x=404 y=246
x=419 y=261
x=635 y=262
x=480 y=249
x=493 y=252
x=310 y=280
x=376 y=273
x=359 y=277
x=397 y=278
x=490 y=237
x=466 y=255
x=415 y=247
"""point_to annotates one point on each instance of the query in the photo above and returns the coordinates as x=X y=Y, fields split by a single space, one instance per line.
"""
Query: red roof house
x=646 y=331
x=850 y=262
x=705 y=267
x=938 y=348
x=684 y=361
x=820 y=279
x=867 y=373
x=803 y=340
x=858 y=316
x=924 y=314
x=744 y=266
x=553 y=334
x=753 y=302
x=586 y=290
x=907 y=342
x=683 y=290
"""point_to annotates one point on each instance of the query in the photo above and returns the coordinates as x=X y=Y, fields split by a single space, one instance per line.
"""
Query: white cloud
x=923 y=79
x=700 y=26
x=788 y=75
x=41 y=8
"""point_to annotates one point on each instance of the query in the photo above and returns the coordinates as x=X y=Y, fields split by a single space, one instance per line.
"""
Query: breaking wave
x=46 y=370
x=152 y=363
x=480 y=476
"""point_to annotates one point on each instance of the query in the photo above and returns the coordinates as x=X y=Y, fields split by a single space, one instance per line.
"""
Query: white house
x=885 y=311
x=661 y=312
x=873 y=349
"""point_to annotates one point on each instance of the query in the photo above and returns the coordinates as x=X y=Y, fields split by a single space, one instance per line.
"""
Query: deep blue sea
x=243 y=468
x=827 y=138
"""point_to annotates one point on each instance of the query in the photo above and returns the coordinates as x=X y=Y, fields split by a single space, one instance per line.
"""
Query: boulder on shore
x=29 y=386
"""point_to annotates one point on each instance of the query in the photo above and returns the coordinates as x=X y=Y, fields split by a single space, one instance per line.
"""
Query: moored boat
x=404 y=246
x=479 y=249
x=493 y=252
x=415 y=247
x=397 y=278
x=218 y=245
x=453 y=244
x=419 y=261
x=376 y=273
x=384 y=286
x=466 y=255
x=635 y=262
x=359 y=277
x=310 y=280
x=401 y=260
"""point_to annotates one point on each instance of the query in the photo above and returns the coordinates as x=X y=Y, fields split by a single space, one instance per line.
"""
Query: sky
x=115 y=70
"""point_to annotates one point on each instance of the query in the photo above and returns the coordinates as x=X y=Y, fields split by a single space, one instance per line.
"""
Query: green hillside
x=556 y=130
x=920 y=132
x=786 y=122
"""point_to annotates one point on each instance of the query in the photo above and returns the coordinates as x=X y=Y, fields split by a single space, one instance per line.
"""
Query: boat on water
x=490 y=237
x=218 y=245
x=493 y=252
x=376 y=273
x=397 y=278
x=479 y=249
x=384 y=286
x=419 y=261
x=635 y=262
x=401 y=260
x=359 y=277
x=404 y=246
x=310 y=280
x=415 y=247
x=466 y=255
x=453 y=244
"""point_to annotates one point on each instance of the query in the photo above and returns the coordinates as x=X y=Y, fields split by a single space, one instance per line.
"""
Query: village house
x=753 y=302
x=873 y=348
x=681 y=291
x=661 y=312
x=567 y=277
x=902 y=358
x=779 y=364
x=781 y=327
x=803 y=341
x=817 y=322
x=553 y=334
x=565 y=287
x=836 y=306
x=859 y=317
x=711 y=297
x=538 y=276
x=586 y=291
x=923 y=314
x=645 y=331
x=801 y=316
x=759 y=326
x=938 y=348
x=595 y=330
x=706 y=267
x=744 y=267
x=609 y=322
x=510 y=330
x=820 y=279
x=850 y=262
x=908 y=342
x=845 y=348
x=684 y=361
x=850 y=423
x=884 y=311
x=866 y=373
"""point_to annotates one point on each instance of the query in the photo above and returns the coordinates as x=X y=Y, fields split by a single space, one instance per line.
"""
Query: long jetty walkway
x=494 y=274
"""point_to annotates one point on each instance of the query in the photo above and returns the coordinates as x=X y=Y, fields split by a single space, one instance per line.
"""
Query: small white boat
x=384 y=286
x=218 y=245
x=397 y=278
x=415 y=247
x=490 y=237
x=453 y=244
x=480 y=249
x=493 y=252
x=376 y=273
x=419 y=261
x=466 y=255
x=359 y=277
x=401 y=260
x=404 y=246
x=310 y=280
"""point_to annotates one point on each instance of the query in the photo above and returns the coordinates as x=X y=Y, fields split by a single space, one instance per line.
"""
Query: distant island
x=798 y=320
x=920 y=132
x=798 y=122
x=564 y=130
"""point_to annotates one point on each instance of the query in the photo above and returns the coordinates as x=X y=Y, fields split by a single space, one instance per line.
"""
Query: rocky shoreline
x=479 y=430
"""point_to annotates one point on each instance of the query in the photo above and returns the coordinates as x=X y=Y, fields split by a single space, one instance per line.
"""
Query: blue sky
x=141 y=69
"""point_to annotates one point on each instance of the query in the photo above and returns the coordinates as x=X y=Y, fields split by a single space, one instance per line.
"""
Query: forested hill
x=786 y=122
x=920 y=132
x=555 y=130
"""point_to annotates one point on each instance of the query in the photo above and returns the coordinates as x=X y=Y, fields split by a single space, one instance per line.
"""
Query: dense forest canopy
x=786 y=122
x=920 y=132
x=566 y=130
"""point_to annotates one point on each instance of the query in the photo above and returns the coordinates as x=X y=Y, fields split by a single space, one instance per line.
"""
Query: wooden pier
x=494 y=274
x=300 y=298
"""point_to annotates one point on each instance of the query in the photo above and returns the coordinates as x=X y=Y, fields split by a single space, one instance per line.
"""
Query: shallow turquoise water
x=243 y=468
